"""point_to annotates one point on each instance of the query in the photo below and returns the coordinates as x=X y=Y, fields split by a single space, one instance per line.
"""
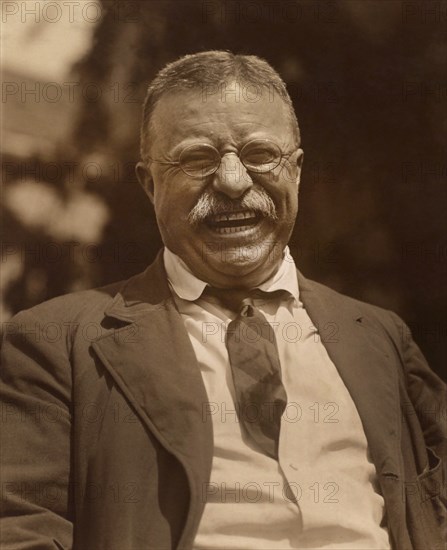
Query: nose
x=232 y=177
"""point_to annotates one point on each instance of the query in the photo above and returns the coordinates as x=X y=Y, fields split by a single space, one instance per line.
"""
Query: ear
x=299 y=163
x=146 y=180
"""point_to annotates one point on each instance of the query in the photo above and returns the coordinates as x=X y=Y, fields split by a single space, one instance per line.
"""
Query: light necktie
x=252 y=350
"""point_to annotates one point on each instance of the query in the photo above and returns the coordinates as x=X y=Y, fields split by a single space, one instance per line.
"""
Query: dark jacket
x=104 y=443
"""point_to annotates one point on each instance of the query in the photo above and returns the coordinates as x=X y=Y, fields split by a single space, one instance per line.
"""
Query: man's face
x=230 y=227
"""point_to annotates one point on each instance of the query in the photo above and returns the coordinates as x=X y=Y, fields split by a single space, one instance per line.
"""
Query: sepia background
x=367 y=78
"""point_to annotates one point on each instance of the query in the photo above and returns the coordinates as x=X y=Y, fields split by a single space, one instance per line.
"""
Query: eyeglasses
x=201 y=160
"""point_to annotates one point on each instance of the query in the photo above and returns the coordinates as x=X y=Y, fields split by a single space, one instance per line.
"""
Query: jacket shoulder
x=69 y=307
x=379 y=317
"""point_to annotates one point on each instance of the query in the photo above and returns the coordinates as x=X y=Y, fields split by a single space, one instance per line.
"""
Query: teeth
x=232 y=229
x=234 y=216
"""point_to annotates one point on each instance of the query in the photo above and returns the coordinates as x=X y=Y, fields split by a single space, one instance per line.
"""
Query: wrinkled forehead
x=238 y=91
x=233 y=89
x=217 y=108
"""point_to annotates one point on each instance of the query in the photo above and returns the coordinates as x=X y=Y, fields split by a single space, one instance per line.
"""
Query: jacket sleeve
x=427 y=393
x=35 y=398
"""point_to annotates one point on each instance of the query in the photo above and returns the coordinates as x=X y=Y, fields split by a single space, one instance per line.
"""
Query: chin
x=247 y=262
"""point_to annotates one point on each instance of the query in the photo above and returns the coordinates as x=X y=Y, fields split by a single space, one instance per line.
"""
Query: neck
x=244 y=277
x=245 y=281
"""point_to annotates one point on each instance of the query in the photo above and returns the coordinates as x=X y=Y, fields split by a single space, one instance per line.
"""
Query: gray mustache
x=210 y=204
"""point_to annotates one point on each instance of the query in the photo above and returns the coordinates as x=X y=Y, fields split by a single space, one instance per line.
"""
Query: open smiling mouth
x=233 y=222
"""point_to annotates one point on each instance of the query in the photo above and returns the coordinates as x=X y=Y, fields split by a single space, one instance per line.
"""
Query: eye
x=261 y=154
x=199 y=159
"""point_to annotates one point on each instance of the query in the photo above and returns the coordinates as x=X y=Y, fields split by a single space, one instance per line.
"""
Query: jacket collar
x=141 y=294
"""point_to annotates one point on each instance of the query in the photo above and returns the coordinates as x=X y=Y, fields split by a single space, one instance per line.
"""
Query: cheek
x=281 y=185
x=165 y=206
x=284 y=195
x=172 y=205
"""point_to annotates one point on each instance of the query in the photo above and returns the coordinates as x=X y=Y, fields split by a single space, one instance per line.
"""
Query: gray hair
x=207 y=71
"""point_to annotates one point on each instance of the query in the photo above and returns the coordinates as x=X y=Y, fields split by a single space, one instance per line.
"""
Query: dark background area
x=368 y=82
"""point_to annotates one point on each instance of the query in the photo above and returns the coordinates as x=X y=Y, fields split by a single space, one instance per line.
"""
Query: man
x=219 y=399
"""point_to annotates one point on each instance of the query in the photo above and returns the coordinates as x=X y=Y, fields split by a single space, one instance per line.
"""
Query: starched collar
x=188 y=287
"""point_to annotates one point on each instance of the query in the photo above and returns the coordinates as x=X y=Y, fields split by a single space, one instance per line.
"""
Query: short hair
x=211 y=68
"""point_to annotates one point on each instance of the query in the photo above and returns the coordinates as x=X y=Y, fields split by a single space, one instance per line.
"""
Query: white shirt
x=322 y=491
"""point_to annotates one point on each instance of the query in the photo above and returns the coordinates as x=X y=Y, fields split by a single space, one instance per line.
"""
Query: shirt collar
x=188 y=287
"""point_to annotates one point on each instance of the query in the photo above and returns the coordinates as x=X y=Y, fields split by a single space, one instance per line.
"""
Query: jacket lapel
x=366 y=368
x=152 y=361
x=364 y=364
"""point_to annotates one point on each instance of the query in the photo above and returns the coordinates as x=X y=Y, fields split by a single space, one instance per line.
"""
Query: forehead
x=228 y=113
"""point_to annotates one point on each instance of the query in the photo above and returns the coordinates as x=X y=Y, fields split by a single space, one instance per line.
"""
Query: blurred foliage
x=367 y=80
